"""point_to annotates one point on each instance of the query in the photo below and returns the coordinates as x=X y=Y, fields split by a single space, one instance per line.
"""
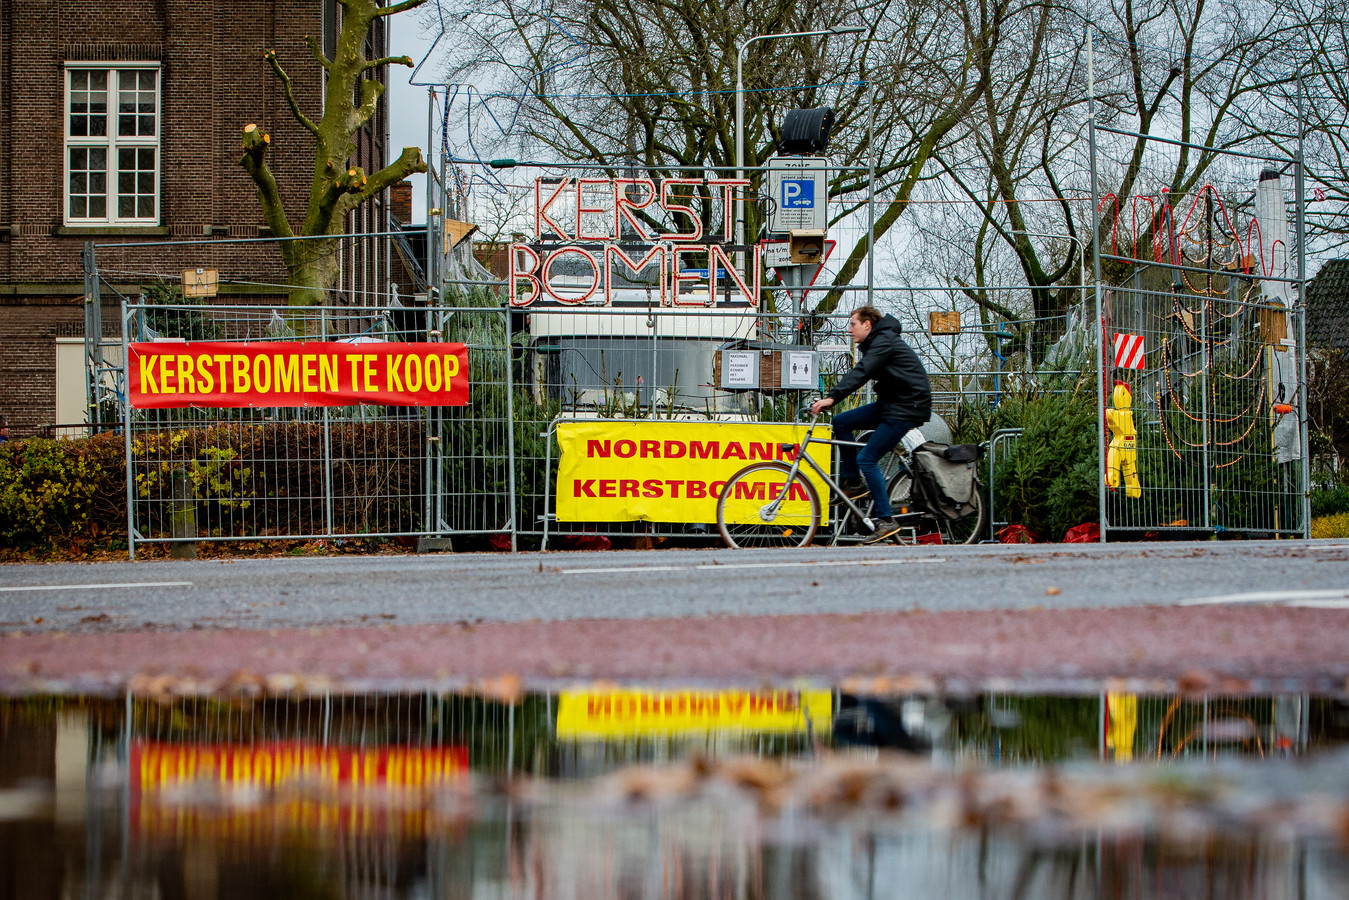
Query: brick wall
x=401 y=202
x=213 y=81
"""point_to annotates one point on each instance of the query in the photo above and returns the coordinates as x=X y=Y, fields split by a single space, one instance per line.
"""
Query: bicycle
x=773 y=504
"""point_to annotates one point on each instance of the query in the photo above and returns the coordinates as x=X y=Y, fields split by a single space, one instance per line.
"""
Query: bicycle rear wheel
x=747 y=515
x=969 y=529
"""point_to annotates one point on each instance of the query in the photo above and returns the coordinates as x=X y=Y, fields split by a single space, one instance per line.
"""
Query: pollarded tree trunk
x=338 y=187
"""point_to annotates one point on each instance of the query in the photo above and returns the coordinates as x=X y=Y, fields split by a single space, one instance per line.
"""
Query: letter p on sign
x=798 y=193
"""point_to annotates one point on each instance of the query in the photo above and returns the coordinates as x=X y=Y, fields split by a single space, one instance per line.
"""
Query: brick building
x=120 y=123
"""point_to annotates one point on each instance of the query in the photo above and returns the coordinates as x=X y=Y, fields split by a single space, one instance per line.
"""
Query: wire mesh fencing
x=1212 y=392
x=250 y=471
x=1203 y=369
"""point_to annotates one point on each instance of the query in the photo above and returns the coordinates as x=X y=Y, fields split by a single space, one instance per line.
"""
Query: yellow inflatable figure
x=1121 y=461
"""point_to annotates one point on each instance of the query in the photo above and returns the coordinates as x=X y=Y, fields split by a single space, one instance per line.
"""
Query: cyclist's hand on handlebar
x=821 y=405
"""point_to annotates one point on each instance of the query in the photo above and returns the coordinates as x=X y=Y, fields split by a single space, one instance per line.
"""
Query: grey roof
x=1328 y=306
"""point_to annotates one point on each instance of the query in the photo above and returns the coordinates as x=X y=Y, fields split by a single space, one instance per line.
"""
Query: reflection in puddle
x=610 y=792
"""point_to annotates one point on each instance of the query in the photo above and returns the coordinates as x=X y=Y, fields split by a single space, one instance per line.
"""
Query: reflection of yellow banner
x=634 y=713
x=669 y=471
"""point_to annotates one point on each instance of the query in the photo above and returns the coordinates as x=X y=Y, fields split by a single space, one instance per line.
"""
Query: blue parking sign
x=798 y=193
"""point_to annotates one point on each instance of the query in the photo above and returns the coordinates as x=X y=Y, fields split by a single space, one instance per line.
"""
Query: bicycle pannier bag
x=945 y=479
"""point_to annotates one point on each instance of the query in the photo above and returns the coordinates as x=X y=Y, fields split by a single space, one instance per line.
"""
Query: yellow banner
x=675 y=471
x=637 y=713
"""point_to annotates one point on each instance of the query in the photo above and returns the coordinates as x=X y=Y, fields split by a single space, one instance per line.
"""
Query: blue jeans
x=885 y=436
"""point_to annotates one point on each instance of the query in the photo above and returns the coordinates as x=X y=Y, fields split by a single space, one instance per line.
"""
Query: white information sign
x=739 y=369
x=799 y=189
x=777 y=253
x=798 y=369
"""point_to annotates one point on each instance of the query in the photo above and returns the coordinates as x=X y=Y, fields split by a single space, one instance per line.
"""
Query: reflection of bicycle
x=774 y=504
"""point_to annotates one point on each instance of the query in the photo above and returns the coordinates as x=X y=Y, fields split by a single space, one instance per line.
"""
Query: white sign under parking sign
x=799 y=188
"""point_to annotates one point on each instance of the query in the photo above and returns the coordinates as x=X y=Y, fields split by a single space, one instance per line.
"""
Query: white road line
x=628 y=569
x=94 y=587
x=709 y=567
x=1287 y=598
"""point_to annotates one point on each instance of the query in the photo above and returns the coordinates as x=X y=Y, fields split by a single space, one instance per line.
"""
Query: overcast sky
x=407 y=104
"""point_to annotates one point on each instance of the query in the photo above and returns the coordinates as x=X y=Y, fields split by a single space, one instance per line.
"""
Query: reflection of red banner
x=167 y=374
x=305 y=786
x=155 y=766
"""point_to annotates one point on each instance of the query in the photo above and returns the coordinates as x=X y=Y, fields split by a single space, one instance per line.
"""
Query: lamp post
x=740 y=106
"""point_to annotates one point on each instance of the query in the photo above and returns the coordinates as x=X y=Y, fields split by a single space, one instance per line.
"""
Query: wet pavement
x=1119 y=721
x=740 y=792
x=1239 y=647
x=440 y=589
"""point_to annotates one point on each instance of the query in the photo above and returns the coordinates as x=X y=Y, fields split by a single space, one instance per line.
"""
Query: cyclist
x=903 y=402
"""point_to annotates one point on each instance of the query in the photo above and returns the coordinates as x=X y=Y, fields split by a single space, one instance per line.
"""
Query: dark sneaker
x=854 y=490
x=884 y=530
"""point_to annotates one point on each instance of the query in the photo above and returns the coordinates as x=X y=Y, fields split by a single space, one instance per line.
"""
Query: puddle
x=615 y=792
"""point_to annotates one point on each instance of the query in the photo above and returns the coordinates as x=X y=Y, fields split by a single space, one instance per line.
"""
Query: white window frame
x=112 y=142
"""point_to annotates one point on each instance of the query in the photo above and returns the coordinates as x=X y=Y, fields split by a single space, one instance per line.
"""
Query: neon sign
x=605 y=225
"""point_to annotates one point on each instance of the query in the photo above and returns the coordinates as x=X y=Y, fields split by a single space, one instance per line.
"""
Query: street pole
x=871 y=189
x=1099 y=325
x=740 y=110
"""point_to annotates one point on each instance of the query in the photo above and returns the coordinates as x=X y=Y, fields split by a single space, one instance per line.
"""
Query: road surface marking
x=1329 y=599
x=93 y=587
x=787 y=565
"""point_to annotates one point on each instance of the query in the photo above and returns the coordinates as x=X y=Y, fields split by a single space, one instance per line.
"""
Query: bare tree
x=653 y=81
x=351 y=98
x=1183 y=71
x=1202 y=75
x=1314 y=104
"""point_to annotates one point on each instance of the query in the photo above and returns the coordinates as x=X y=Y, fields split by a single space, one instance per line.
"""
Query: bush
x=58 y=492
x=1049 y=481
x=1330 y=500
x=1336 y=526
x=262 y=480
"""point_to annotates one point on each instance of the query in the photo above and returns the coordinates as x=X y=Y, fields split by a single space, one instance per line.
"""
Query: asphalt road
x=458 y=588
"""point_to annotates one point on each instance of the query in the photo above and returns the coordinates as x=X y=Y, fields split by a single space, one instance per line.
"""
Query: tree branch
x=408 y=163
x=388 y=60
x=317 y=52
x=398 y=7
x=371 y=90
x=254 y=162
x=290 y=92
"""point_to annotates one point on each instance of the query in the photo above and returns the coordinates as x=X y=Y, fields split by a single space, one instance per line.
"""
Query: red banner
x=168 y=374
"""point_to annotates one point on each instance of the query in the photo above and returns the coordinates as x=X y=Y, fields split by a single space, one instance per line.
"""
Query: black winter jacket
x=902 y=388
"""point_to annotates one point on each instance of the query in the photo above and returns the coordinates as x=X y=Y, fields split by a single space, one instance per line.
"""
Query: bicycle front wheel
x=764 y=505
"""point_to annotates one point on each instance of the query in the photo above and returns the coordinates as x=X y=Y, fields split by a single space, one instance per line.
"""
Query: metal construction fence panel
x=204 y=473
x=1209 y=376
x=1203 y=390
x=1001 y=445
x=659 y=364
